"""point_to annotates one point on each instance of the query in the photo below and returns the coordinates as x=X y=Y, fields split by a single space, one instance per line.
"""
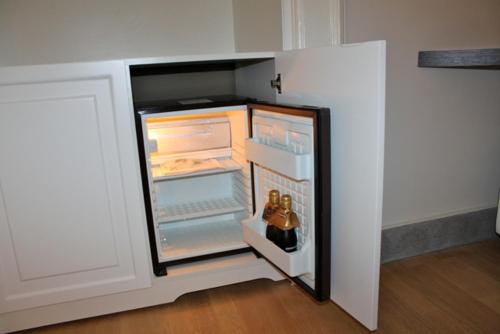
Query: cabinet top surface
x=236 y=56
x=201 y=57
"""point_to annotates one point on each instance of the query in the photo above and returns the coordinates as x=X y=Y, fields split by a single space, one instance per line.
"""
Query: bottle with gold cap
x=270 y=208
x=285 y=221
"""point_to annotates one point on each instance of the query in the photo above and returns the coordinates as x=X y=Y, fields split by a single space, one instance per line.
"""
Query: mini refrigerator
x=207 y=167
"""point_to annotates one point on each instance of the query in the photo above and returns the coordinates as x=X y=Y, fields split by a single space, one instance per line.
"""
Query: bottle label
x=267 y=213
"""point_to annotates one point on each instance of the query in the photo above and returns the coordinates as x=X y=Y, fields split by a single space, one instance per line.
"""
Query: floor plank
x=451 y=291
x=401 y=304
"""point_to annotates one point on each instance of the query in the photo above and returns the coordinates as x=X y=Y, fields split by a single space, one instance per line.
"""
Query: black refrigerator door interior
x=289 y=148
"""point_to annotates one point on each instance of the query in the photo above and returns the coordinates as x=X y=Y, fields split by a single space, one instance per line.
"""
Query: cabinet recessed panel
x=54 y=187
x=65 y=232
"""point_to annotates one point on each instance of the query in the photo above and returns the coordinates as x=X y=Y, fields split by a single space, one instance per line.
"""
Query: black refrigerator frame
x=322 y=185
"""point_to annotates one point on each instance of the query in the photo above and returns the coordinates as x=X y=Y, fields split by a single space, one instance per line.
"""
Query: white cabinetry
x=71 y=216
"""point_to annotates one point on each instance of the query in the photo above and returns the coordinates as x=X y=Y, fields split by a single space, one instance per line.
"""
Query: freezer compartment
x=190 y=145
x=177 y=135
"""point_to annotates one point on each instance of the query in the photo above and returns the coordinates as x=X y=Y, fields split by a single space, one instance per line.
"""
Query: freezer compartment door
x=289 y=149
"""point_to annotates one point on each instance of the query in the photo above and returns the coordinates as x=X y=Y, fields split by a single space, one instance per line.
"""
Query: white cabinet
x=71 y=215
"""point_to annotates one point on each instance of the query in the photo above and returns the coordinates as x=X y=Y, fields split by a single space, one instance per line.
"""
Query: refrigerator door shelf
x=295 y=166
x=293 y=264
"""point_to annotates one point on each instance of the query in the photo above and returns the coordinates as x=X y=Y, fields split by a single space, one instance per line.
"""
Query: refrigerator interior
x=200 y=183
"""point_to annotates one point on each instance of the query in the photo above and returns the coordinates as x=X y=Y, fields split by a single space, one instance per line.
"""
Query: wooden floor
x=453 y=291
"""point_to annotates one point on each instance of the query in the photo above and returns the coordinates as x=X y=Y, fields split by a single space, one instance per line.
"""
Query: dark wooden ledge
x=471 y=59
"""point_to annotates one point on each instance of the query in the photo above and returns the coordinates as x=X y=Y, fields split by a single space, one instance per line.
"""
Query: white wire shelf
x=227 y=166
x=199 y=209
x=180 y=241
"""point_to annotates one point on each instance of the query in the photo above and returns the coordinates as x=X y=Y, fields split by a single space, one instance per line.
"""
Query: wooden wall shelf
x=467 y=59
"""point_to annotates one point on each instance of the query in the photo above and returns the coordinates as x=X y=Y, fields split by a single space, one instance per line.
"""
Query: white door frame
x=294 y=26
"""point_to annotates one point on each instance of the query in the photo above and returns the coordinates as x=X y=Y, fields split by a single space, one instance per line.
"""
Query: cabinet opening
x=181 y=84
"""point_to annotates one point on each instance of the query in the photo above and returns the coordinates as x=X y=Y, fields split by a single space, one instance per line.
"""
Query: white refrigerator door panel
x=350 y=80
x=71 y=222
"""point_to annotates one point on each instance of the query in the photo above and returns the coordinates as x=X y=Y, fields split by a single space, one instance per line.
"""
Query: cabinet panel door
x=69 y=228
x=350 y=80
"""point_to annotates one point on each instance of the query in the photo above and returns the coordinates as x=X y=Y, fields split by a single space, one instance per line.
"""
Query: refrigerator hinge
x=276 y=83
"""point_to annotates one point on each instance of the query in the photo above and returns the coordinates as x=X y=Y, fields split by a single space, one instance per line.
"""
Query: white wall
x=257 y=25
x=49 y=31
x=442 y=125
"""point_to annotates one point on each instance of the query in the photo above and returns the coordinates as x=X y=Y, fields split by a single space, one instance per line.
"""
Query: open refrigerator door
x=289 y=148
